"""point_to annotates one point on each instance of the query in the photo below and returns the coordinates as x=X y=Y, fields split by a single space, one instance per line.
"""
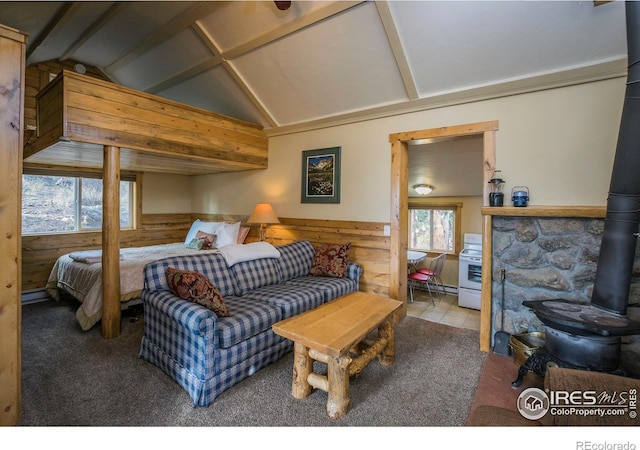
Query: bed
x=83 y=280
x=87 y=123
x=79 y=273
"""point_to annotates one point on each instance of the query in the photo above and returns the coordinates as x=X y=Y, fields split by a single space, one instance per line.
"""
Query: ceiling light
x=423 y=189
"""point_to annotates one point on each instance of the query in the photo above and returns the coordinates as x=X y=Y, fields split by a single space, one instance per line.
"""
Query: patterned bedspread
x=84 y=281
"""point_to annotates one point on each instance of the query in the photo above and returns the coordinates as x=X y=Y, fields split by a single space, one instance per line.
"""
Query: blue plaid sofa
x=207 y=354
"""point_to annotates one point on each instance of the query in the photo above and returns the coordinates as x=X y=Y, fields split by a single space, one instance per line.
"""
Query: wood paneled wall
x=369 y=247
x=39 y=252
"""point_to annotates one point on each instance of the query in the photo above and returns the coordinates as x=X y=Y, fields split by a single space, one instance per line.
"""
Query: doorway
x=400 y=207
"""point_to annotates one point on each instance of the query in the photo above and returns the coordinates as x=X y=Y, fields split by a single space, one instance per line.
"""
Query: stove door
x=470 y=274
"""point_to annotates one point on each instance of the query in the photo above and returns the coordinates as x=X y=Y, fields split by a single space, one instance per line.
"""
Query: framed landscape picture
x=321 y=175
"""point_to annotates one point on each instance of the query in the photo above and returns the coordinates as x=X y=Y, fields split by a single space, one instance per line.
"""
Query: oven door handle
x=472 y=259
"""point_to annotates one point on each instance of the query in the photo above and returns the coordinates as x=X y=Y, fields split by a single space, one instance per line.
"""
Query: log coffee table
x=336 y=334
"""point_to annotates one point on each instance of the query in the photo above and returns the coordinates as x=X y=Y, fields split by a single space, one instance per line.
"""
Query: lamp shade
x=263 y=213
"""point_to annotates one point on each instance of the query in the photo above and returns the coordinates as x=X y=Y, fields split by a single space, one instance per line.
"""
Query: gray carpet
x=73 y=377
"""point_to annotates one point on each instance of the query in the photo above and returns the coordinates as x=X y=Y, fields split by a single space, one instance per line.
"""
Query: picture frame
x=321 y=175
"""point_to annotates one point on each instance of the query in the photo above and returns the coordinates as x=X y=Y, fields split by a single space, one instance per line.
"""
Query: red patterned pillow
x=331 y=260
x=195 y=287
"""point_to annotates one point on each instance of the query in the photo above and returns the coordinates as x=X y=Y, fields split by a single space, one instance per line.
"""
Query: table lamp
x=263 y=214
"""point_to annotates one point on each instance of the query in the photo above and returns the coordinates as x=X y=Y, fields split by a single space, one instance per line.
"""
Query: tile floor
x=446 y=311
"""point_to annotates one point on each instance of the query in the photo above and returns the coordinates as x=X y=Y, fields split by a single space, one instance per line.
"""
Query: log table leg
x=302 y=367
x=338 y=396
x=388 y=354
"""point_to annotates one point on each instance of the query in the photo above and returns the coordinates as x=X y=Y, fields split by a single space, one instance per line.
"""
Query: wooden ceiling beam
x=398 y=51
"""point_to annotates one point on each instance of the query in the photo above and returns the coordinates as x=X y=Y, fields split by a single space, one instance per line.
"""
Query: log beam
x=111 y=243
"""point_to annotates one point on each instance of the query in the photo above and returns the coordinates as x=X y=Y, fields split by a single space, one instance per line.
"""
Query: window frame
x=456 y=207
x=135 y=196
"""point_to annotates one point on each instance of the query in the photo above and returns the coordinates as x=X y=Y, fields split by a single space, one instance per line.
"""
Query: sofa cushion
x=194 y=287
x=291 y=299
x=330 y=287
x=295 y=259
x=211 y=265
x=253 y=274
x=331 y=260
x=248 y=318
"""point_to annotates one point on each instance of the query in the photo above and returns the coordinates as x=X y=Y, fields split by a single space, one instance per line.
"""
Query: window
x=434 y=228
x=63 y=203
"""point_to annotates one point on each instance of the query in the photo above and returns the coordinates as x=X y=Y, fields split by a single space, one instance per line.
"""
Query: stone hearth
x=549 y=258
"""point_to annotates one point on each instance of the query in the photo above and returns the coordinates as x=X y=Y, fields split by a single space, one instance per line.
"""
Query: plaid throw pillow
x=331 y=260
x=194 y=287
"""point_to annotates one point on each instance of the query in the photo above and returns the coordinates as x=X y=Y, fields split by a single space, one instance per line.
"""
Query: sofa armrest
x=354 y=272
x=571 y=380
x=189 y=315
x=180 y=332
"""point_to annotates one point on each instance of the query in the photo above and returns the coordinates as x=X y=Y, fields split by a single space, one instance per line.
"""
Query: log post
x=12 y=55
x=302 y=367
x=399 y=223
x=338 y=396
x=388 y=354
x=111 y=243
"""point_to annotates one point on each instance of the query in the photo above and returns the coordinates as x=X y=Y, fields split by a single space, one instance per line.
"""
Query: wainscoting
x=369 y=246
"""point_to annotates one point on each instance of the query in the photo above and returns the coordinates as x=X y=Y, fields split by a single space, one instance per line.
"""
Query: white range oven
x=470 y=272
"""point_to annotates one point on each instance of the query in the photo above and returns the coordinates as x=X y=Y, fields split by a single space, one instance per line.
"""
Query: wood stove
x=588 y=335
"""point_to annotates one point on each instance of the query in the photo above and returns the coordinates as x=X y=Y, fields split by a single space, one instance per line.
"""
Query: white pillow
x=227 y=233
x=198 y=225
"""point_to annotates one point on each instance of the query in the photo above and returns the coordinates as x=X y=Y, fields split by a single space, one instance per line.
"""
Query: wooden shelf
x=598 y=212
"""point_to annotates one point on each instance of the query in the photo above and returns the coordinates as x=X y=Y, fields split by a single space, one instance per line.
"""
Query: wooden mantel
x=546 y=211
x=596 y=212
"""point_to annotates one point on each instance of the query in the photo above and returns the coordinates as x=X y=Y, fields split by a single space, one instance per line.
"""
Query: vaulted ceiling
x=320 y=63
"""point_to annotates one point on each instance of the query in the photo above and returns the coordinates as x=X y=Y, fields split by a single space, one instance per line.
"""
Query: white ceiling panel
x=131 y=25
x=343 y=63
x=184 y=50
x=456 y=45
x=33 y=16
x=238 y=22
x=215 y=91
x=78 y=18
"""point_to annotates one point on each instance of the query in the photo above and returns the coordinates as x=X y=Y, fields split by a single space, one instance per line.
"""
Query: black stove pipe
x=620 y=235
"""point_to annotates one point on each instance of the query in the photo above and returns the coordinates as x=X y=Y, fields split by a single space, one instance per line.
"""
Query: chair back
x=437 y=264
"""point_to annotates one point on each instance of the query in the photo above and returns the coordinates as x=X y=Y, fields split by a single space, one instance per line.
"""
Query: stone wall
x=545 y=258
